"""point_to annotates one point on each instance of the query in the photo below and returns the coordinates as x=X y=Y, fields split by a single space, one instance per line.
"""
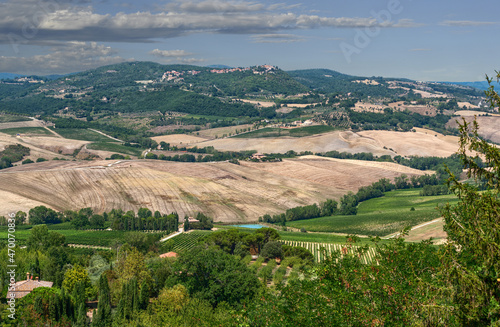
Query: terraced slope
x=227 y=192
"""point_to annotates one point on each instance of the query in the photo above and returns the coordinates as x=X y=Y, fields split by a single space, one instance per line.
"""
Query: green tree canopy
x=215 y=276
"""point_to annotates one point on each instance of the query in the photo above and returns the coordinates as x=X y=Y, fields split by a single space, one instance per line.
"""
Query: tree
x=215 y=276
x=20 y=217
x=40 y=238
x=272 y=250
x=75 y=275
x=472 y=258
x=103 y=316
x=43 y=215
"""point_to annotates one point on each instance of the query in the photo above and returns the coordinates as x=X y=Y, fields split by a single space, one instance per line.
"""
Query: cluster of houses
x=175 y=76
x=257 y=70
x=228 y=70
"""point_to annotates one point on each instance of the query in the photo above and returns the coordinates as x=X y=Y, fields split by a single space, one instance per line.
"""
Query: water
x=252 y=226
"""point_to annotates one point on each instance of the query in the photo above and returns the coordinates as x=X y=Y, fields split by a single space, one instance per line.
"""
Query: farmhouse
x=24 y=287
x=258 y=156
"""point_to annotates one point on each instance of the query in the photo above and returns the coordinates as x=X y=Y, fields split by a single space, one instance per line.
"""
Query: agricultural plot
x=381 y=216
x=82 y=134
x=321 y=238
x=27 y=131
x=5 y=118
x=293 y=132
x=115 y=147
x=187 y=241
x=319 y=250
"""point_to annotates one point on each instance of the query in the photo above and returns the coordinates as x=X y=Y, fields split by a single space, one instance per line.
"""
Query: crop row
x=319 y=250
x=187 y=241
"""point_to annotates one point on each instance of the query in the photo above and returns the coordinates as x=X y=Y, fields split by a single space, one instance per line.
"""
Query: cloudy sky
x=433 y=40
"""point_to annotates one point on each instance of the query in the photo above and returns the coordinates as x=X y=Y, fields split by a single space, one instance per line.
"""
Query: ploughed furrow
x=225 y=191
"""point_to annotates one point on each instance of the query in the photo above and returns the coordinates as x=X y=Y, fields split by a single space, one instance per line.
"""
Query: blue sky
x=444 y=40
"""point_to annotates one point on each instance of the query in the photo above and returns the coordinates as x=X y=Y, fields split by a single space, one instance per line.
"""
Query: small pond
x=253 y=226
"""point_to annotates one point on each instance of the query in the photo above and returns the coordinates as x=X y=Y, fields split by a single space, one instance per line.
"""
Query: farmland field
x=317 y=249
x=96 y=238
x=227 y=192
x=82 y=134
x=114 y=147
x=187 y=241
x=320 y=237
x=422 y=142
x=381 y=216
x=12 y=118
x=27 y=131
x=294 y=132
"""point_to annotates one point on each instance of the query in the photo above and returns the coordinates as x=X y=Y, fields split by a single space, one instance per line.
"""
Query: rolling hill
x=225 y=191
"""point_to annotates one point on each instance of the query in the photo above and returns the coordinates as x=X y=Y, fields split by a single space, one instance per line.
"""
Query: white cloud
x=169 y=53
x=276 y=38
x=466 y=23
x=63 y=58
x=36 y=22
x=168 y=56
x=214 y=6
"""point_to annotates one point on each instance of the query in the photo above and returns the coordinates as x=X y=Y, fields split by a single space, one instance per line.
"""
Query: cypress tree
x=135 y=295
x=82 y=316
x=144 y=296
x=120 y=310
x=103 y=316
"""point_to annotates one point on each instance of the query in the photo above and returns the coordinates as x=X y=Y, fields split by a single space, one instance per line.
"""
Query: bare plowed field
x=420 y=143
x=42 y=147
x=338 y=141
x=338 y=174
x=227 y=192
x=489 y=126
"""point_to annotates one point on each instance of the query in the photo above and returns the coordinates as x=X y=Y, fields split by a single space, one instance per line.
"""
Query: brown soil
x=227 y=192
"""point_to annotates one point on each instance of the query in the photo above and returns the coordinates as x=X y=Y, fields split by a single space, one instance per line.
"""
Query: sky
x=428 y=40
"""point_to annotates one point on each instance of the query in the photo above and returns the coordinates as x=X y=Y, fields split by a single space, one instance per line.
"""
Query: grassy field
x=115 y=147
x=382 y=216
x=82 y=134
x=295 y=132
x=27 y=131
x=100 y=238
x=12 y=119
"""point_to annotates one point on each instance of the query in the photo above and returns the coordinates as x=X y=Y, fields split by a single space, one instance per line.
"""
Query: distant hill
x=330 y=81
x=478 y=85
x=149 y=86
x=9 y=75
x=219 y=66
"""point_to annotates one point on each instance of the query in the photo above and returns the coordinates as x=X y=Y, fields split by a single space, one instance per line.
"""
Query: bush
x=272 y=250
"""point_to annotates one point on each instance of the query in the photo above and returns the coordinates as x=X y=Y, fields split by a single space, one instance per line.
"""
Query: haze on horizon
x=422 y=40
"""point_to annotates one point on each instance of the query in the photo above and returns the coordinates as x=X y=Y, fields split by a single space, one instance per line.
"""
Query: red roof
x=168 y=255
x=24 y=287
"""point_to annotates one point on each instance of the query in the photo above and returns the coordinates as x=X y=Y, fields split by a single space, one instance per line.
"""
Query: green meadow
x=381 y=216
